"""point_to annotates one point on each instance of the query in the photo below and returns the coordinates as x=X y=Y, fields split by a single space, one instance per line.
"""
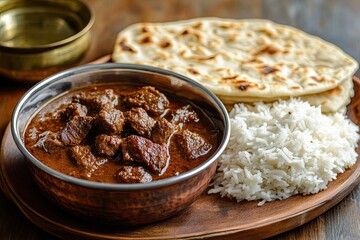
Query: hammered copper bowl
x=124 y=204
x=41 y=37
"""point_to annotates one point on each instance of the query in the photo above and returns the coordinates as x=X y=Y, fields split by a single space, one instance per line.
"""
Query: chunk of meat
x=76 y=130
x=191 y=144
x=148 y=98
x=72 y=110
x=133 y=174
x=141 y=150
x=161 y=131
x=109 y=121
x=96 y=100
x=49 y=141
x=184 y=114
x=140 y=121
x=106 y=145
x=83 y=156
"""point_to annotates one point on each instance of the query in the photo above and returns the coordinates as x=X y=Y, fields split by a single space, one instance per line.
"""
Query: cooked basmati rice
x=279 y=150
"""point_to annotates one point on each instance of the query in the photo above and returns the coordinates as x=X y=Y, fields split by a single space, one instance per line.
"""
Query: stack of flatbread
x=244 y=60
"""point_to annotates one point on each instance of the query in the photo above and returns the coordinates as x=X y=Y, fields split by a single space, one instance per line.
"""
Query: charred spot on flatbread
x=193 y=71
x=165 y=44
x=125 y=47
x=268 y=69
x=146 y=39
x=267 y=49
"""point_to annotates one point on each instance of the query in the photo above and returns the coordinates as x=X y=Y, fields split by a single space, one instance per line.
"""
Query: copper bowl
x=124 y=204
x=41 y=37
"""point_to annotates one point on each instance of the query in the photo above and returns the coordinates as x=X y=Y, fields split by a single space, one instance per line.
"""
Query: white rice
x=279 y=150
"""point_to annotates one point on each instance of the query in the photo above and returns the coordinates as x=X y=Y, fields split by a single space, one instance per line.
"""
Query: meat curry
x=121 y=134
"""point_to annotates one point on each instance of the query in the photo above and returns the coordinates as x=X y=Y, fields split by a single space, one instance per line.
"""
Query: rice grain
x=279 y=150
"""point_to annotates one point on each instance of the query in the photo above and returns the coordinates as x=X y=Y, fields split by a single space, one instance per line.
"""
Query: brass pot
x=41 y=37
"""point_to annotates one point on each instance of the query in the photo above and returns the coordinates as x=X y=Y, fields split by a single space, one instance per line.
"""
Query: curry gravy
x=179 y=158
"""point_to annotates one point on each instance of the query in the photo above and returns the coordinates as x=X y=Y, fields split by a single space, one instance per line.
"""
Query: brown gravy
x=191 y=140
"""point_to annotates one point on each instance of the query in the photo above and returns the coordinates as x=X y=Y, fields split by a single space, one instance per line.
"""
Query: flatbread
x=238 y=58
x=333 y=100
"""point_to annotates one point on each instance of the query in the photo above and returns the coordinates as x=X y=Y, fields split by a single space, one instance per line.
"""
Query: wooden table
x=335 y=21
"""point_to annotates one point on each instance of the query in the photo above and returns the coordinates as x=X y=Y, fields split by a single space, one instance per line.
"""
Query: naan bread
x=333 y=100
x=238 y=58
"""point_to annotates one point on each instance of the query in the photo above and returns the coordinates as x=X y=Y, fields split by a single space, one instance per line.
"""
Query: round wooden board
x=209 y=217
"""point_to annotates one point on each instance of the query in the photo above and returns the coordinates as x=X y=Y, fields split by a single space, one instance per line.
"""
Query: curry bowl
x=124 y=204
x=41 y=37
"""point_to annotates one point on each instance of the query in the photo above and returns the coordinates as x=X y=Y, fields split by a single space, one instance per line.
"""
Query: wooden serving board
x=209 y=217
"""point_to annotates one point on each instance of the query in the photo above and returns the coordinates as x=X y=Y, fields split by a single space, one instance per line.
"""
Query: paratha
x=238 y=58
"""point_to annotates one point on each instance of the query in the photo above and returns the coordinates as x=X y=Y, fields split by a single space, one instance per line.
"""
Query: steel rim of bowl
x=118 y=186
x=77 y=35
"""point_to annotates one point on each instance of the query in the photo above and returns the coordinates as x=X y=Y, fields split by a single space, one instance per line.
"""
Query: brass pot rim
x=36 y=48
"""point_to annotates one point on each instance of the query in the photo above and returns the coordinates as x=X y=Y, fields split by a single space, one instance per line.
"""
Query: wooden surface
x=335 y=21
x=238 y=220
